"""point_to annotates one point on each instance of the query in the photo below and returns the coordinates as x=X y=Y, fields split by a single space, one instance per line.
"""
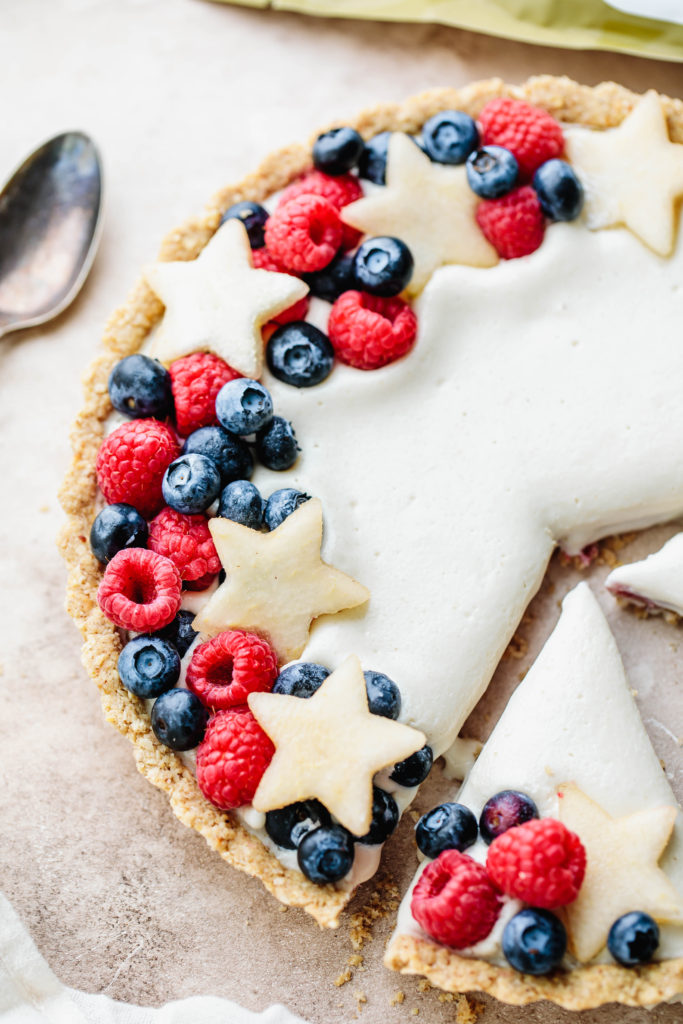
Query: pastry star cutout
x=329 y=746
x=622 y=873
x=276 y=582
x=632 y=174
x=429 y=206
x=219 y=302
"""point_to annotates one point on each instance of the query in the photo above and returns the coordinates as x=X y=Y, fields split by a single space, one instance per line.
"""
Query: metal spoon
x=49 y=229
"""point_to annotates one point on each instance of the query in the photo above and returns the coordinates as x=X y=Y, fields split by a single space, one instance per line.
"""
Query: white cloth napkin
x=31 y=994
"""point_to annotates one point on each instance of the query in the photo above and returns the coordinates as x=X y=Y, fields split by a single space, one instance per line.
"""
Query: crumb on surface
x=397 y=998
x=342 y=978
x=355 y=960
x=382 y=901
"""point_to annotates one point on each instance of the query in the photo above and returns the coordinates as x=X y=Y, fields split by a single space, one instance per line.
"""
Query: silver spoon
x=49 y=229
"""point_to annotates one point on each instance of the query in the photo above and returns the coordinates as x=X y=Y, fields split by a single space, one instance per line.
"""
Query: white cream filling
x=656 y=580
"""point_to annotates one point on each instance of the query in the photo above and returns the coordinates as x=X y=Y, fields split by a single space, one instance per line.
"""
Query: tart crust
x=602 y=106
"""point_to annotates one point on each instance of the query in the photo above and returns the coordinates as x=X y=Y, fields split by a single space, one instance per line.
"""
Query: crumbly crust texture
x=603 y=106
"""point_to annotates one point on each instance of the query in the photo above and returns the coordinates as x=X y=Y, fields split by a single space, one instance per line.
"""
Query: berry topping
x=339 y=190
x=455 y=901
x=186 y=541
x=304 y=233
x=301 y=679
x=231 y=454
x=384 y=696
x=265 y=260
x=414 y=769
x=332 y=280
x=300 y=354
x=373 y=160
x=114 y=528
x=141 y=387
x=196 y=381
x=226 y=669
x=383 y=266
x=281 y=504
x=132 y=461
x=288 y=826
x=243 y=406
x=385 y=817
x=368 y=331
x=179 y=719
x=449 y=137
x=503 y=811
x=179 y=632
x=337 y=151
x=242 y=502
x=491 y=172
x=191 y=483
x=534 y=941
x=633 y=939
x=140 y=590
x=232 y=758
x=540 y=862
x=253 y=217
x=276 y=444
x=325 y=854
x=148 y=666
x=559 y=191
x=531 y=134
x=446 y=827
x=514 y=224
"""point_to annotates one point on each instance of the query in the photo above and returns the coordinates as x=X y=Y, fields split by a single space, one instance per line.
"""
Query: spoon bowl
x=49 y=229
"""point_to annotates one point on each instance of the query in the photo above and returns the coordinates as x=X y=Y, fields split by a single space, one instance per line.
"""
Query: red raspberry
x=455 y=901
x=132 y=461
x=232 y=758
x=531 y=134
x=340 y=191
x=140 y=590
x=263 y=259
x=304 y=234
x=514 y=224
x=368 y=331
x=540 y=862
x=187 y=542
x=195 y=382
x=225 y=670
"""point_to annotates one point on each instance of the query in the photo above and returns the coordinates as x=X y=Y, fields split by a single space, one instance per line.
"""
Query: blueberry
x=446 y=827
x=325 y=854
x=140 y=387
x=414 y=769
x=179 y=719
x=337 y=151
x=299 y=354
x=383 y=266
x=288 y=826
x=384 y=696
x=559 y=191
x=491 y=172
x=191 y=483
x=503 y=811
x=242 y=502
x=281 y=504
x=114 y=528
x=633 y=939
x=384 y=818
x=332 y=280
x=534 y=941
x=301 y=679
x=179 y=632
x=243 y=406
x=372 y=164
x=148 y=666
x=450 y=137
x=276 y=444
x=253 y=217
x=231 y=454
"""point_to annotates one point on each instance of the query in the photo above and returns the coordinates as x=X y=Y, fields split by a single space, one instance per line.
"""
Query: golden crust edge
x=600 y=106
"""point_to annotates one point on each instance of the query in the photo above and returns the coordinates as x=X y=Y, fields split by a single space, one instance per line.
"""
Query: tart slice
x=654 y=584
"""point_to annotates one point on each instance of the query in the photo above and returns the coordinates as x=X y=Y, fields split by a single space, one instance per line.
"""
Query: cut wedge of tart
x=655 y=583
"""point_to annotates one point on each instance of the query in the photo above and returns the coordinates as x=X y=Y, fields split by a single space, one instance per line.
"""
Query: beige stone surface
x=182 y=97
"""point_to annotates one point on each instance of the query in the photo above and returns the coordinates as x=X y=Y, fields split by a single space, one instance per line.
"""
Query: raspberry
x=140 y=590
x=531 y=134
x=195 y=382
x=187 y=542
x=232 y=758
x=263 y=259
x=225 y=670
x=514 y=224
x=340 y=191
x=455 y=901
x=540 y=862
x=132 y=461
x=304 y=234
x=368 y=331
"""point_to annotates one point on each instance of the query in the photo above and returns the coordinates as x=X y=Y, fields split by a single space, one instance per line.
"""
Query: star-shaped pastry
x=219 y=302
x=429 y=206
x=622 y=872
x=632 y=175
x=276 y=582
x=329 y=746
